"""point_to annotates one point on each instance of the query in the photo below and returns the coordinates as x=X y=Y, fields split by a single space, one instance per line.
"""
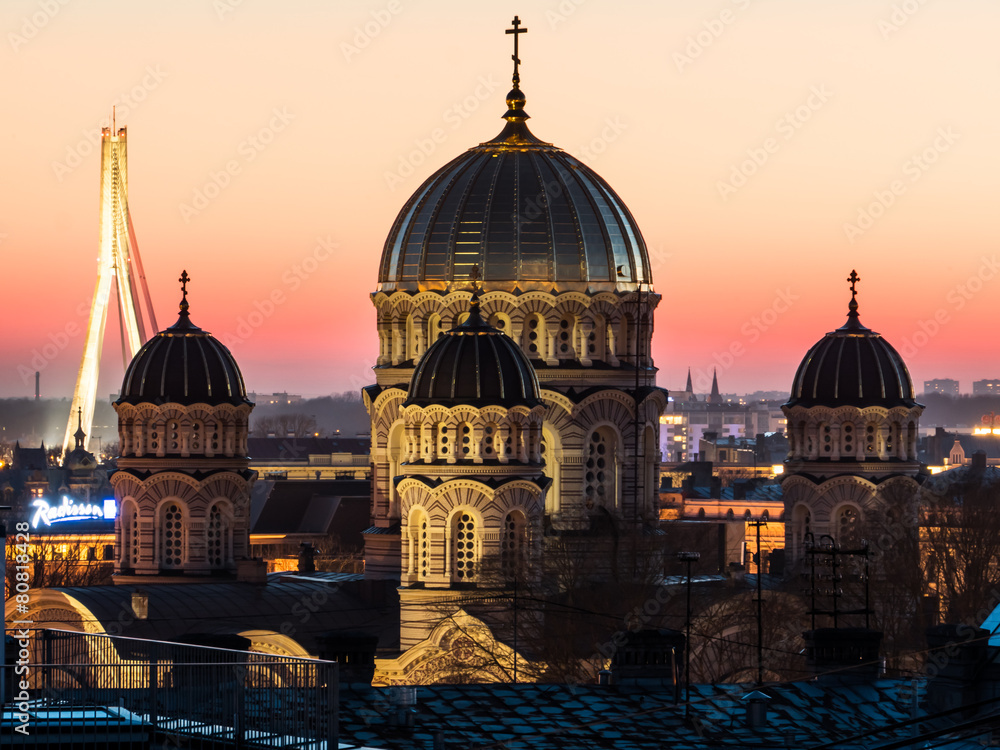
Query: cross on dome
x=517 y=61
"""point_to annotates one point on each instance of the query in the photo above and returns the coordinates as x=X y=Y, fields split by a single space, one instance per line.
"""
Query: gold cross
x=184 y=279
x=517 y=61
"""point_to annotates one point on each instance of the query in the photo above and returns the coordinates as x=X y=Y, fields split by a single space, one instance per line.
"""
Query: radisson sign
x=47 y=514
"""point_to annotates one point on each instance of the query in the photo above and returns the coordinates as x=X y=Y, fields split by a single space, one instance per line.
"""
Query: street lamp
x=689 y=558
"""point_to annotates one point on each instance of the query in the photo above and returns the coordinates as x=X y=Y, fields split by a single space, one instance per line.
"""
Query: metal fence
x=87 y=684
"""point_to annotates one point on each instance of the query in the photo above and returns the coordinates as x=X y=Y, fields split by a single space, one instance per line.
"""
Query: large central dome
x=526 y=213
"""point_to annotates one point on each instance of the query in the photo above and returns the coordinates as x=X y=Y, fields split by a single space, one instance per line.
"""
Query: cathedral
x=528 y=407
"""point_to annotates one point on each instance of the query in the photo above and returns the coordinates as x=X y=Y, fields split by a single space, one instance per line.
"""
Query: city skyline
x=765 y=150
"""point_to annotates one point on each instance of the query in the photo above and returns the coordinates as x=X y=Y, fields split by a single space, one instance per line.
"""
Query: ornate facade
x=183 y=482
x=852 y=429
x=566 y=277
x=471 y=486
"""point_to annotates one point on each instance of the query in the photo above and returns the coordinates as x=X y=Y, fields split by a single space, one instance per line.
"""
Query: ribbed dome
x=474 y=364
x=183 y=365
x=526 y=213
x=852 y=366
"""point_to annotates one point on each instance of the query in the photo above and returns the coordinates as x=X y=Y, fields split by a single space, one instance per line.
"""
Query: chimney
x=740 y=487
x=756 y=703
x=979 y=462
x=38 y=376
x=715 y=486
x=843 y=656
x=649 y=658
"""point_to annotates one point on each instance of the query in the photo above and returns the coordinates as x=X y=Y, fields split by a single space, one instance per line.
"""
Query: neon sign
x=69 y=510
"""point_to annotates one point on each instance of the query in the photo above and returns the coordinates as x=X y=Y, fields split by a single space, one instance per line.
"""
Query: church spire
x=79 y=435
x=689 y=388
x=715 y=397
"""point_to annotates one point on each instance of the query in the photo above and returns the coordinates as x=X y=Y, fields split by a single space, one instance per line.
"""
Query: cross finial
x=184 y=279
x=517 y=61
x=854 y=279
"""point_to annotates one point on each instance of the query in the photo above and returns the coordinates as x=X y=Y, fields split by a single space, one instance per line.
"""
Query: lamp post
x=689 y=558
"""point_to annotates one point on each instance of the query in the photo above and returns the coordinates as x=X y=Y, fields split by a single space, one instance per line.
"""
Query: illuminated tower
x=118 y=264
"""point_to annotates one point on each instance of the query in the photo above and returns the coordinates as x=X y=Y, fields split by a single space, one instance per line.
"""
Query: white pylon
x=118 y=263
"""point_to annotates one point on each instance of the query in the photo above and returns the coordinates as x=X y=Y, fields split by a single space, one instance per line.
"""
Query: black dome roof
x=526 y=213
x=852 y=366
x=474 y=364
x=183 y=365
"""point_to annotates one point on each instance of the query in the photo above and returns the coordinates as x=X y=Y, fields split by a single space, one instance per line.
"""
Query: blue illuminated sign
x=47 y=514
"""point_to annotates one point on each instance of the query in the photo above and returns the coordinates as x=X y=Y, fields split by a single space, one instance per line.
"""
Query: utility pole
x=757 y=523
x=689 y=558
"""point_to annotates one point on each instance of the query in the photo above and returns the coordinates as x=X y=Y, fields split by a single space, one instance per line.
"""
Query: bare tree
x=52 y=564
x=960 y=539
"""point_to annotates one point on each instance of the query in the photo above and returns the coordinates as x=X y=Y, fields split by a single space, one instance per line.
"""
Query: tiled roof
x=565 y=717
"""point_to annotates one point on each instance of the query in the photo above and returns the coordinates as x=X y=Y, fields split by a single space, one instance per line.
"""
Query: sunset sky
x=765 y=147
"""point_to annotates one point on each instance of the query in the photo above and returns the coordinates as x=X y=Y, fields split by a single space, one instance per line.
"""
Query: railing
x=105 y=684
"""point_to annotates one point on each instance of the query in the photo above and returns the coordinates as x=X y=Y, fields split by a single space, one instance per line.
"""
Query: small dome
x=183 y=365
x=526 y=213
x=474 y=364
x=852 y=366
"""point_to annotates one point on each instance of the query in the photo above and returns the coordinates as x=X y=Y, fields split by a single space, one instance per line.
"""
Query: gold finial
x=517 y=61
x=184 y=279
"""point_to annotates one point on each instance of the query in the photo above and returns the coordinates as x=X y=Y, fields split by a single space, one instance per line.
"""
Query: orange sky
x=743 y=134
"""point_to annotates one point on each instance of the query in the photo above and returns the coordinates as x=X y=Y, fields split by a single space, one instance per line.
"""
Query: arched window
x=849 y=527
x=501 y=322
x=219 y=536
x=420 y=538
x=514 y=543
x=464 y=547
x=847 y=440
x=197 y=440
x=534 y=336
x=871 y=436
x=130 y=534
x=443 y=443
x=434 y=328
x=465 y=436
x=490 y=437
x=597 y=340
x=601 y=469
x=565 y=338
x=172 y=528
x=551 y=468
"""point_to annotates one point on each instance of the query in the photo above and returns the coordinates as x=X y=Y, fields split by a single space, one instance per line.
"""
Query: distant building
x=946 y=386
x=985 y=387
x=274 y=399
